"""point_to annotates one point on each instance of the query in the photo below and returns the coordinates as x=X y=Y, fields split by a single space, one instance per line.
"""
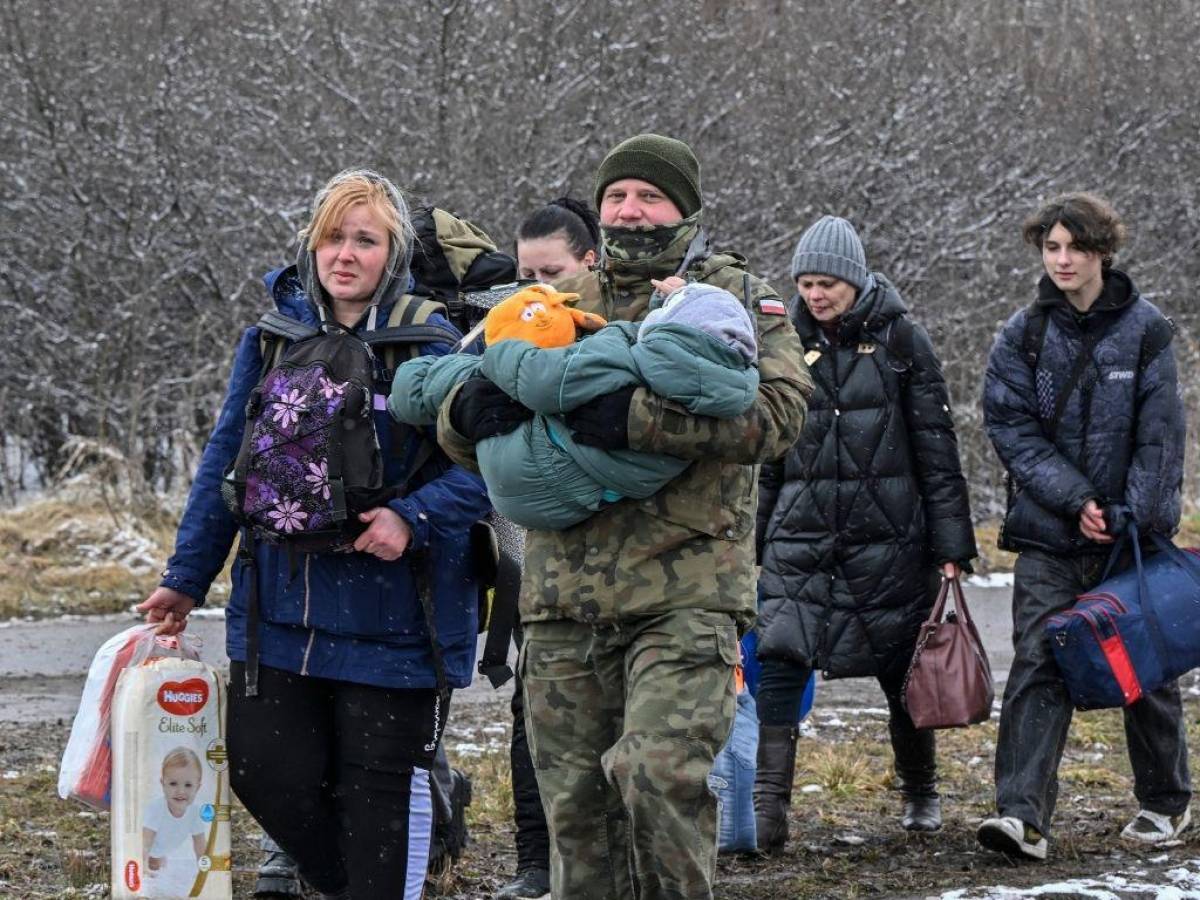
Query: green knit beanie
x=666 y=163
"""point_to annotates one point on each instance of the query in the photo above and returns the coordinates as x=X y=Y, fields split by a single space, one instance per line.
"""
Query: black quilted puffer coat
x=870 y=499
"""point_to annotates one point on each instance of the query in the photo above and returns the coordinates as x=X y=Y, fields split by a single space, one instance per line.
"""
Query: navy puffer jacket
x=868 y=500
x=1121 y=437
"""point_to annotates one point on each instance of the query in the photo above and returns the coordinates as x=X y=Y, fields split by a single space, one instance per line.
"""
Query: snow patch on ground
x=134 y=551
x=876 y=711
x=992 y=580
x=1183 y=882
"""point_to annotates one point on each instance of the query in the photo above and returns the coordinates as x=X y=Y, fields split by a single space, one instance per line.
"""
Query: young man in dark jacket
x=1082 y=404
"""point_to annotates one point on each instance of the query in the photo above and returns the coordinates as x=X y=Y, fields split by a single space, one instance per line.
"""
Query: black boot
x=773 y=784
x=922 y=806
x=277 y=875
x=916 y=775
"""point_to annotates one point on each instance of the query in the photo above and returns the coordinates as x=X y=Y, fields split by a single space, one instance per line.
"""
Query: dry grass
x=52 y=849
x=991 y=557
x=840 y=771
x=1189 y=532
x=82 y=550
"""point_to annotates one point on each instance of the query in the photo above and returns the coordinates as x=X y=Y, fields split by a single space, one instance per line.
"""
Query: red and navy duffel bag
x=1134 y=631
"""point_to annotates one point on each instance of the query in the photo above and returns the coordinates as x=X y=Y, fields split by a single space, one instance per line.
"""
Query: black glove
x=482 y=410
x=603 y=421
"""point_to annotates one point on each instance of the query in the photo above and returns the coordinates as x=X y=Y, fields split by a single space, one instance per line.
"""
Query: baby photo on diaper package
x=170 y=822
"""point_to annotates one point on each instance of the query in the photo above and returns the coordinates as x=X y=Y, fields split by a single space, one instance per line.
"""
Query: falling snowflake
x=330 y=390
x=287 y=516
x=318 y=477
x=288 y=408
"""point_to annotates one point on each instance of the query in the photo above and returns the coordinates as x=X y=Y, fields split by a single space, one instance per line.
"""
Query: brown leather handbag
x=949 y=682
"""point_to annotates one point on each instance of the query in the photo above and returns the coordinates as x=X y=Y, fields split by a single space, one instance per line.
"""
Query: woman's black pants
x=781 y=687
x=338 y=774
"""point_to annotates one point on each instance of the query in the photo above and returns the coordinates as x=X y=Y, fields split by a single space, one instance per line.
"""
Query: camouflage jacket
x=691 y=545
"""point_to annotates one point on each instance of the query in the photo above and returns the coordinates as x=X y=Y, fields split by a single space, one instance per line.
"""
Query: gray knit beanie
x=712 y=310
x=831 y=246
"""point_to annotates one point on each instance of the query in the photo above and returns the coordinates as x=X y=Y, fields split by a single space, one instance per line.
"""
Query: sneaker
x=530 y=884
x=1012 y=837
x=1153 y=828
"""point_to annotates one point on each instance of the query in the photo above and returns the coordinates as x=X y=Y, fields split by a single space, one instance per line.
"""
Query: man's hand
x=668 y=285
x=387 y=537
x=603 y=421
x=482 y=410
x=168 y=609
x=1091 y=523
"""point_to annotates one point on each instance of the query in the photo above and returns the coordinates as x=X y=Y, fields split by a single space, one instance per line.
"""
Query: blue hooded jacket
x=345 y=616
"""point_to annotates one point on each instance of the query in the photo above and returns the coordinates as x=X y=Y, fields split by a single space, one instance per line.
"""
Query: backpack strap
x=898 y=337
x=496 y=547
x=1159 y=333
x=1033 y=337
x=276 y=323
x=1078 y=367
x=407 y=325
x=274 y=330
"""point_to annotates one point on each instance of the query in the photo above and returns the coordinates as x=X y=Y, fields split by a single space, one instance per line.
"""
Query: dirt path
x=845 y=844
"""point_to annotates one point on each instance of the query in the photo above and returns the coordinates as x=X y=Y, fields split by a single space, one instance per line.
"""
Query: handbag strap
x=960 y=600
x=939 y=605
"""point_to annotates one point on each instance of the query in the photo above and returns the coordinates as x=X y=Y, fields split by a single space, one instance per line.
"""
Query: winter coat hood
x=395 y=283
x=1117 y=293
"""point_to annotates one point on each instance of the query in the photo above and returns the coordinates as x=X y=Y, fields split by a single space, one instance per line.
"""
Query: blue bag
x=732 y=780
x=1135 y=631
x=732 y=775
x=753 y=669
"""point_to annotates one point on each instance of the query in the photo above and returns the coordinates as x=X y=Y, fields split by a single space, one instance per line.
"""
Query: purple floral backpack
x=310 y=458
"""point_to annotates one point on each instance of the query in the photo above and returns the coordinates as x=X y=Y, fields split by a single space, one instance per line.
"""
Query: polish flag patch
x=772 y=306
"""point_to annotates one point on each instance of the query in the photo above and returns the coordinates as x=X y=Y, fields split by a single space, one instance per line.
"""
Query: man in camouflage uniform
x=632 y=617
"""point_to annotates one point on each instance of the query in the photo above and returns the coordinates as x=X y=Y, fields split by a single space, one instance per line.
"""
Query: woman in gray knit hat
x=858 y=522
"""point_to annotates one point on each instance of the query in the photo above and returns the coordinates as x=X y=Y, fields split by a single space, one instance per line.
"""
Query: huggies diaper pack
x=170 y=783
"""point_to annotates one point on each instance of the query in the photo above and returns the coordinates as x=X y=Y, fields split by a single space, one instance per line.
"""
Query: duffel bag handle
x=1145 y=600
x=1186 y=561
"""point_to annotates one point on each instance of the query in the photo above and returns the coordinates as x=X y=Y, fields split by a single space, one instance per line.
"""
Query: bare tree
x=156 y=160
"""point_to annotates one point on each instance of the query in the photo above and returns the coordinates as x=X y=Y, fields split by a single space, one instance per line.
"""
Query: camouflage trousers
x=624 y=720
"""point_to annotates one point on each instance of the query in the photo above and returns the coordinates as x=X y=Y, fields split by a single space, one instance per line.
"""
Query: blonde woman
x=332 y=753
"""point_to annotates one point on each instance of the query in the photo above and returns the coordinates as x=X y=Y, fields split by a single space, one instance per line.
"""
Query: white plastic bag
x=170 y=783
x=86 y=771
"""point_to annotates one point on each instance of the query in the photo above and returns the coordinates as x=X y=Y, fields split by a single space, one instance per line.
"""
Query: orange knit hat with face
x=538 y=314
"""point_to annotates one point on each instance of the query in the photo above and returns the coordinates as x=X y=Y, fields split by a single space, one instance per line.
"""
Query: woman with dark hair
x=555 y=241
x=341 y=658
